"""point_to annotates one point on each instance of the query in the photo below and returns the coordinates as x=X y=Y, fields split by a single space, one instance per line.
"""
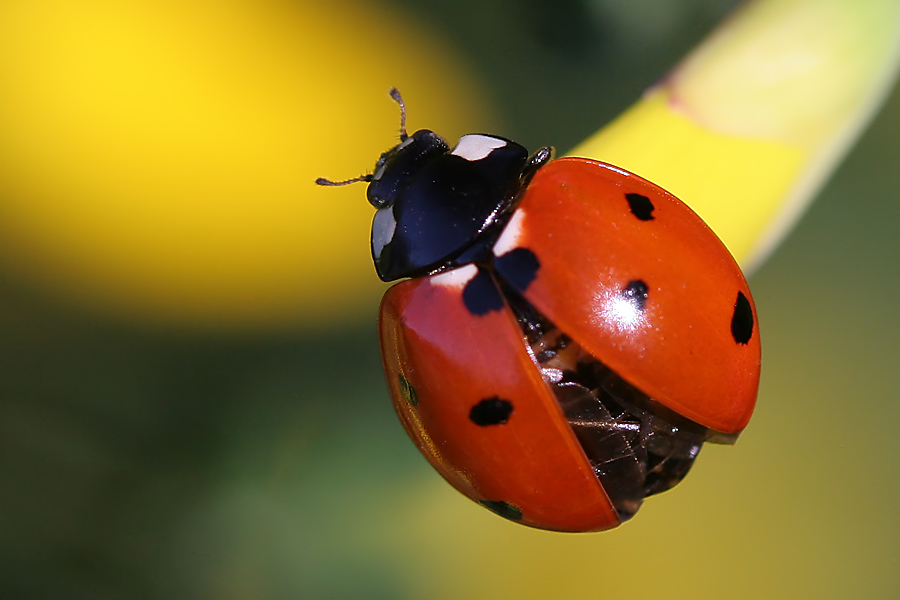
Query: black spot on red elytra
x=491 y=411
x=407 y=390
x=742 y=320
x=504 y=509
x=636 y=293
x=481 y=294
x=641 y=206
x=518 y=267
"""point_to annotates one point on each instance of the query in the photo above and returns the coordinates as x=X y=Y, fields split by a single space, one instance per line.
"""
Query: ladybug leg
x=537 y=160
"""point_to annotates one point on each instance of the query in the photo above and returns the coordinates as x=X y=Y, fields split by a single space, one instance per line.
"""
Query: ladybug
x=568 y=334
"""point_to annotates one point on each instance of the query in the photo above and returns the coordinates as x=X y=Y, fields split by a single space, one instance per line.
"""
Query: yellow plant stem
x=748 y=127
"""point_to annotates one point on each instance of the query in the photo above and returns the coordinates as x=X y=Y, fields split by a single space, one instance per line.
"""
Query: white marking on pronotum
x=455 y=278
x=509 y=239
x=475 y=146
x=383 y=226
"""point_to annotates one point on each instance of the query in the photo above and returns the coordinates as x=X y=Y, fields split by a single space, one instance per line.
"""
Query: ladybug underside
x=635 y=445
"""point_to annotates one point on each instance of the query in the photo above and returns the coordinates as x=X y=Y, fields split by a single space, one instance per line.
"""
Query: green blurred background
x=192 y=446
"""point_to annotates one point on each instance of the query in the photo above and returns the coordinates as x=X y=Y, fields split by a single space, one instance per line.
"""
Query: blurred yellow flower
x=157 y=158
x=750 y=125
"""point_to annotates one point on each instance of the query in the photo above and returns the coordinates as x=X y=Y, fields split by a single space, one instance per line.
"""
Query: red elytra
x=440 y=361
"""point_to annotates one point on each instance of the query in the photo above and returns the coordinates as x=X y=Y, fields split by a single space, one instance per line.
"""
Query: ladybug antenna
x=323 y=181
x=395 y=94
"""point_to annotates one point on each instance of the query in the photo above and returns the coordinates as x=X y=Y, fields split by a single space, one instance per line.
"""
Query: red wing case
x=472 y=398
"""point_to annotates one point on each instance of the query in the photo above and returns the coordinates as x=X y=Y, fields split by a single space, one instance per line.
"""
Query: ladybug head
x=439 y=208
x=395 y=167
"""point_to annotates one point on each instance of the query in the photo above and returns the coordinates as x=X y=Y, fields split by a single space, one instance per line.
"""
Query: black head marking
x=442 y=201
x=636 y=293
x=408 y=391
x=504 y=509
x=742 y=321
x=491 y=411
x=481 y=294
x=641 y=207
x=518 y=267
